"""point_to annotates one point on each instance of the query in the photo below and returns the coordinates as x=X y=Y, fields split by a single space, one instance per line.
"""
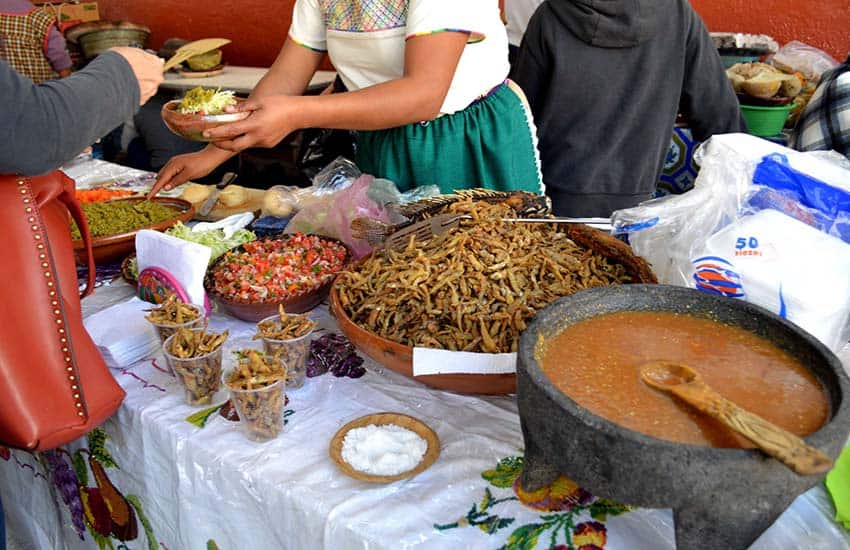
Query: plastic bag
x=724 y=237
x=280 y=201
x=798 y=56
x=331 y=215
x=334 y=177
x=319 y=146
x=801 y=196
x=775 y=261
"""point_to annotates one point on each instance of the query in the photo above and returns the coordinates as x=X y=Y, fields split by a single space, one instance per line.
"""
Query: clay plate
x=112 y=248
x=380 y=419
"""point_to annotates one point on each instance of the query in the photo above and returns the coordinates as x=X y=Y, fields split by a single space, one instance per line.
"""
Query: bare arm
x=430 y=63
x=290 y=73
x=279 y=109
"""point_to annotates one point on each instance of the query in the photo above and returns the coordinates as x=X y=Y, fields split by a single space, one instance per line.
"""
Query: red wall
x=824 y=24
x=258 y=27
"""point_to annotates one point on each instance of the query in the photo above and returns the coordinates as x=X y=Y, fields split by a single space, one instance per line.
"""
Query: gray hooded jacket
x=605 y=80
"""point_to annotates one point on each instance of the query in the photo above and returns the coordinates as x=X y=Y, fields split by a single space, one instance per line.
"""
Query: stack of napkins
x=125 y=342
x=185 y=261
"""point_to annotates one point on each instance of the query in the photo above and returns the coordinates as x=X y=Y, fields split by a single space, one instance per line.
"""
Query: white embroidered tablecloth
x=192 y=487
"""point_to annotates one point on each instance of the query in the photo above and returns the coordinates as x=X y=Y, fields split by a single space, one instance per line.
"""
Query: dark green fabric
x=488 y=144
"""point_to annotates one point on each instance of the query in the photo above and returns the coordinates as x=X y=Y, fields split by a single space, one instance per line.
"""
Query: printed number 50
x=742 y=242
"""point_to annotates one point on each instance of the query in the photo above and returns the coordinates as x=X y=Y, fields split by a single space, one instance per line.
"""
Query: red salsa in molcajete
x=596 y=362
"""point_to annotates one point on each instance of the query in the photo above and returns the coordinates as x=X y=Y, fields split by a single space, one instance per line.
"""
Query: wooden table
x=239 y=79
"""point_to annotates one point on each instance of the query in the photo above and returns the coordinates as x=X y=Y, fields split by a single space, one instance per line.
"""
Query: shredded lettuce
x=206 y=101
x=214 y=238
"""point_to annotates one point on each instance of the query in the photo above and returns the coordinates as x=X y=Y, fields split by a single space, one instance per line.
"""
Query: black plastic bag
x=321 y=146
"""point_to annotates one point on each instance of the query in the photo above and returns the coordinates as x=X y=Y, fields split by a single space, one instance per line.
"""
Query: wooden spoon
x=687 y=385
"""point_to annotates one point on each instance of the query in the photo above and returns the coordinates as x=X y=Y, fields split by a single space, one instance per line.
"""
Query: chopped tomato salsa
x=273 y=270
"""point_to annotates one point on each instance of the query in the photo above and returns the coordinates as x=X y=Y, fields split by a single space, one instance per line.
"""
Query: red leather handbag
x=54 y=384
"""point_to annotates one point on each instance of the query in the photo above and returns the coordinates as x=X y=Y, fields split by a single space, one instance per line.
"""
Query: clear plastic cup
x=165 y=330
x=260 y=409
x=200 y=376
x=293 y=353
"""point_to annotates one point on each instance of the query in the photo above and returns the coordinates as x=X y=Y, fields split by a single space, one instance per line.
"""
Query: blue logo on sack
x=717 y=276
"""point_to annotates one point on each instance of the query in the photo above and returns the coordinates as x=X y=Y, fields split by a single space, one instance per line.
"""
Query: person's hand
x=272 y=118
x=146 y=67
x=183 y=168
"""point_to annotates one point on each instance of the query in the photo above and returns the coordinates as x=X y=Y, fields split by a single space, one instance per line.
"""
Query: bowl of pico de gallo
x=294 y=271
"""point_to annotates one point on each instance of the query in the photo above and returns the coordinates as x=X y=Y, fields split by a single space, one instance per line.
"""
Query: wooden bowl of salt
x=389 y=422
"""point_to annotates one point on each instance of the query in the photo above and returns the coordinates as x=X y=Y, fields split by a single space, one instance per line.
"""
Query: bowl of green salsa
x=113 y=224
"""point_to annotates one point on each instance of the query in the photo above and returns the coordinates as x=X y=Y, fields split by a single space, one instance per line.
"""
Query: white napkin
x=441 y=361
x=122 y=334
x=229 y=224
x=184 y=260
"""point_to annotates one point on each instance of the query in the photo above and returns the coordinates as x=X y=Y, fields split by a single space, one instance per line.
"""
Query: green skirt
x=490 y=144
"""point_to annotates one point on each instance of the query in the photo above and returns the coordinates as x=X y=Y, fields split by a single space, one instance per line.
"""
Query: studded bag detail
x=54 y=384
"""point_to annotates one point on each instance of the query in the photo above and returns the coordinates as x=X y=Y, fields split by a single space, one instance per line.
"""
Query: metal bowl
x=96 y=37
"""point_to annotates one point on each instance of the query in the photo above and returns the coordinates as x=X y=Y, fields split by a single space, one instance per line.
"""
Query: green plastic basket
x=766 y=121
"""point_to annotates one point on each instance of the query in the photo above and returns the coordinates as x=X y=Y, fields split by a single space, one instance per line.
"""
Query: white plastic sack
x=672 y=231
x=783 y=265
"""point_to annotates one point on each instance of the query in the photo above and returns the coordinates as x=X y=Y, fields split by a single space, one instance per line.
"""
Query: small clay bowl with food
x=415 y=425
x=200 y=376
x=254 y=309
x=193 y=126
x=113 y=248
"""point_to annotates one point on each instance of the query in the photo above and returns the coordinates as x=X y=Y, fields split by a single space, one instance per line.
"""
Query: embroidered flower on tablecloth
x=590 y=535
x=561 y=496
x=561 y=506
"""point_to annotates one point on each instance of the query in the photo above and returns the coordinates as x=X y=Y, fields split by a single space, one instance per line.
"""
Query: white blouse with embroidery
x=365 y=40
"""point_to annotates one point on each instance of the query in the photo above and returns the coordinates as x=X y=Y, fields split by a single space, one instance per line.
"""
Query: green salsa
x=114 y=217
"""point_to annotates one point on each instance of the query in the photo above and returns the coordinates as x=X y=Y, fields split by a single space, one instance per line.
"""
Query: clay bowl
x=257 y=311
x=192 y=126
x=112 y=248
x=380 y=419
x=721 y=498
x=399 y=358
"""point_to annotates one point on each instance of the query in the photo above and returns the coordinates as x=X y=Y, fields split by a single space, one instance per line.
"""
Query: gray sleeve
x=708 y=101
x=43 y=126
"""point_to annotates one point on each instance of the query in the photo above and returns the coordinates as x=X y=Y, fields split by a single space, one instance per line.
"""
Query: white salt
x=383 y=450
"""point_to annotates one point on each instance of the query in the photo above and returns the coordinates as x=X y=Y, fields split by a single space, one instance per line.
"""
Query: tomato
x=274 y=269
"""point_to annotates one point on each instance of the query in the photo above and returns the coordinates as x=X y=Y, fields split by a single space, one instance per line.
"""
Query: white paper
x=125 y=342
x=229 y=224
x=185 y=261
x=440 y=361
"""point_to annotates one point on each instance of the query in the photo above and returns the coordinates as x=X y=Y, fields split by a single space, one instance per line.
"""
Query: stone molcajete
x=721 y=498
